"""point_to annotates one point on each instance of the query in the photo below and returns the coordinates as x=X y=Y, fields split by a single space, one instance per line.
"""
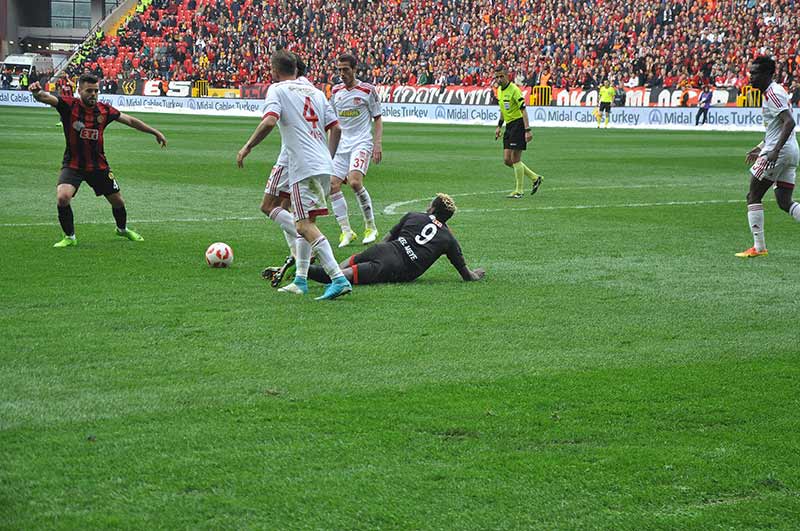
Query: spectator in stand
x=688 y=42
x=794 y=95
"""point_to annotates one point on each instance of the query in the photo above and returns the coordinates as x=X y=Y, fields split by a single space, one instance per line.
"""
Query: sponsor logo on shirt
x=350 y=113
x=90 y=134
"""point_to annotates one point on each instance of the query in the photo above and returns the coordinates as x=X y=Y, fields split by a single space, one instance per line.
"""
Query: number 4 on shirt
x=309 y=114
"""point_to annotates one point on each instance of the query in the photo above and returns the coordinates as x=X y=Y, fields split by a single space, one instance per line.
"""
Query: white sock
x=794 y=211
x=366 y=207
x=340 y=210
x=286 y=221
x=283 y=218
x=303 y=257
x=323 y=250
x=755 y=216
x=290 y=241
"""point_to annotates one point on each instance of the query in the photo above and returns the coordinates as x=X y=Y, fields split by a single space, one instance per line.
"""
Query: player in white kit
x=775 y=159
x=304 y=116
x=276 y=201
x=357 y=106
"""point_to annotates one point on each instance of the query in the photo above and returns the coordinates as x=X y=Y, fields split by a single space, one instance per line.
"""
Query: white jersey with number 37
x=304 y=116
x=356 y=108
x=775 y=101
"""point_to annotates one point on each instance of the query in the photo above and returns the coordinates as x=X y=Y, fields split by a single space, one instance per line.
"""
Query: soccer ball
x=219 y=255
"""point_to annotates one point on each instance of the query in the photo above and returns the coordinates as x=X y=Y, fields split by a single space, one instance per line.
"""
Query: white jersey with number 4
x=304 y=116
x=355 y=107
x=283 y=156
x=774 y=102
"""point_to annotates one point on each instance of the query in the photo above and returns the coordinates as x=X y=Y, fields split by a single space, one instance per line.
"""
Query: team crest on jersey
x=358 y=101
x=101 y=119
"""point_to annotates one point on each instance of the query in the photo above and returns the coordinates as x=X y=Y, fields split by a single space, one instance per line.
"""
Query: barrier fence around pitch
x=720 y=118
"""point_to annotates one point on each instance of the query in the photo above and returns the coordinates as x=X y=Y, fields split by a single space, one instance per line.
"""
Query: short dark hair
x=765 y=64
x=500 y=68
x=349 y=59
x=87 y=78
x=283 y=62
x=301 y=65
x=443 y=207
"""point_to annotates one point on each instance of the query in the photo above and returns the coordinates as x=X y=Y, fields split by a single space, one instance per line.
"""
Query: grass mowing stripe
x=617 y=369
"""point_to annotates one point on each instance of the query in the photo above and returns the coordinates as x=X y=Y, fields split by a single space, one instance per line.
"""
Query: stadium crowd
x=561 y=43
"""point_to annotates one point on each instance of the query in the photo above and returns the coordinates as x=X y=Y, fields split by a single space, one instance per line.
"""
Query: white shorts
x=278 y=182
x=784 y=171
x=356 y=160
x=309 y=197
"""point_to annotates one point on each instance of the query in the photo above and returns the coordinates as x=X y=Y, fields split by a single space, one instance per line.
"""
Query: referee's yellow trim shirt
x=607 y=94
x=511 y=102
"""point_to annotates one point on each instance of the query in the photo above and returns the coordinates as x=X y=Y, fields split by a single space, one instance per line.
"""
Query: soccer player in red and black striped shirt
x=84 y=120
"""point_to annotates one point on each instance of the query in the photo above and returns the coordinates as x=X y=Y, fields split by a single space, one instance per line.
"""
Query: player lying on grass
x=84 y=120
x=410 y=248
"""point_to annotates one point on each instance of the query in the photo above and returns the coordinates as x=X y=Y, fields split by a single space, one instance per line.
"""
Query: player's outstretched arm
x=41 y=95
x=139 y=125
x=262 y=131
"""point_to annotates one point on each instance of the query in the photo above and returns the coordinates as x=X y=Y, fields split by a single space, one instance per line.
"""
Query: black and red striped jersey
x=83 y=130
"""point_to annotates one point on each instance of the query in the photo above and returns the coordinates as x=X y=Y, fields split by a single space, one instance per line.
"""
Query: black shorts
x=101 y=181
x=605 y=106
x=514 y=137
x=378 y=264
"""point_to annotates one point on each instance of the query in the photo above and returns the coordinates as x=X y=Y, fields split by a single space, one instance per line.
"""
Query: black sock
x=66 y=220
x=317 y=274
x=121 y=217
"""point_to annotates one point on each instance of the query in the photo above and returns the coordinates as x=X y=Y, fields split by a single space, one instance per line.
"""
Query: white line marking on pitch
x=540 y=208
x=135 y=221
x=620 y=205
x=391 y=209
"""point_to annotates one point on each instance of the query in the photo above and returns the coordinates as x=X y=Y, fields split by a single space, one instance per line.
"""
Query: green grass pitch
x=617 y=369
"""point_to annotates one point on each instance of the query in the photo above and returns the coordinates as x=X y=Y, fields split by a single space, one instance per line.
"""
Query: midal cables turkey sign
x=719 y=118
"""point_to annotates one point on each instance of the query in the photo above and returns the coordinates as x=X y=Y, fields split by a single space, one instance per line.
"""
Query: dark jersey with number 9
x=421 y=239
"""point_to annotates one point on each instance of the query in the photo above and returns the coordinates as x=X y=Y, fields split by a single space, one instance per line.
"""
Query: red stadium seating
x=562 y=43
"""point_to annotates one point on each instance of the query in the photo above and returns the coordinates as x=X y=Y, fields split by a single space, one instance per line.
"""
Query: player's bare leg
x=755 y=217
x=64 y=195
x=339 y=204
x=121 y=217
x=356 y=181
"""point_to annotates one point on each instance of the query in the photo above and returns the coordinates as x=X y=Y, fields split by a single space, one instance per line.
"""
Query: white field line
x=391 y=209
x=618 y=205
x=136 y=221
